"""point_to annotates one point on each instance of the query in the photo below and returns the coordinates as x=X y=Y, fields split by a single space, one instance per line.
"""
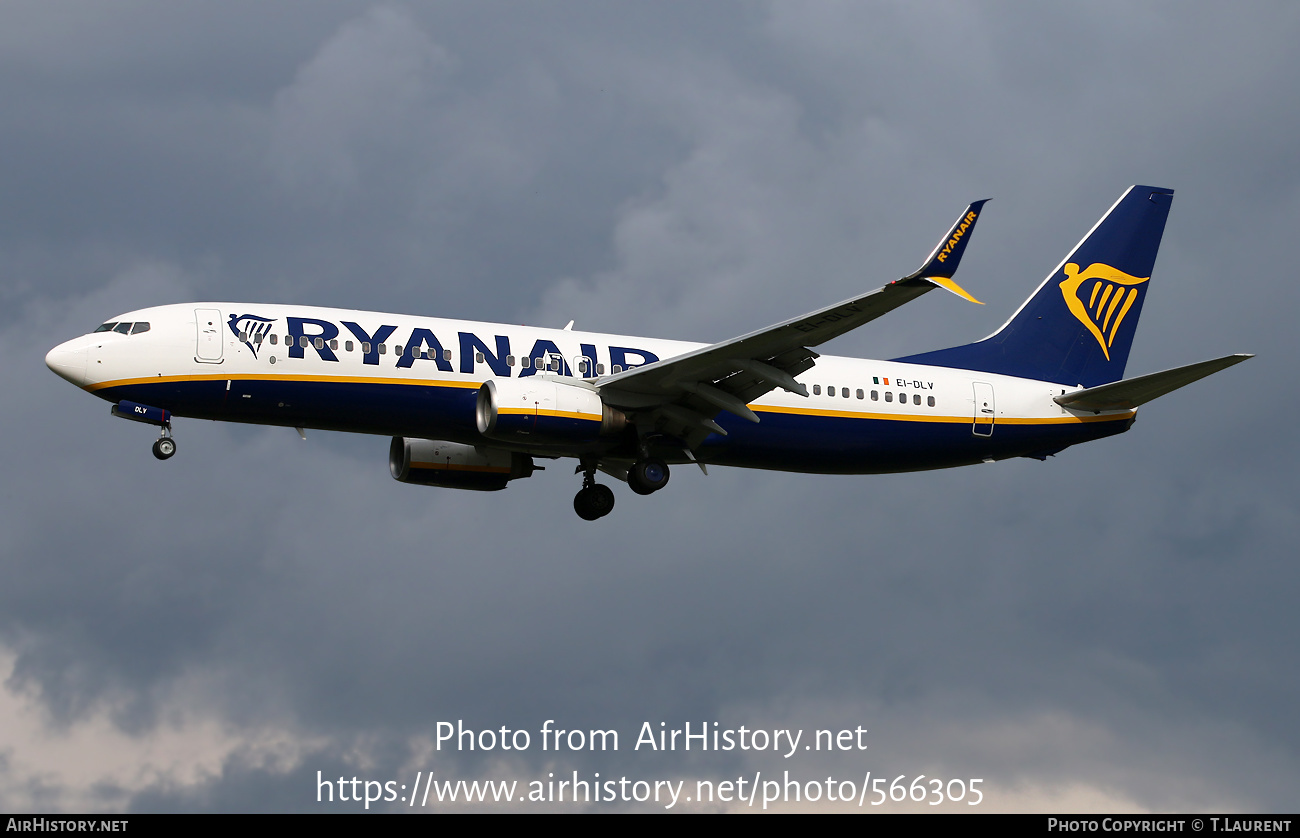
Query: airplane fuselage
x=470 y=404
x=405 y=376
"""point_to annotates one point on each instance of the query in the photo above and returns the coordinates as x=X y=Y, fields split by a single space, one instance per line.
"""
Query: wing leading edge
x=681 y=396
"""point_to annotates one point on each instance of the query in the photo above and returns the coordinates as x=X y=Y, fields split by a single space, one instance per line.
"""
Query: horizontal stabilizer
x=1128 y=394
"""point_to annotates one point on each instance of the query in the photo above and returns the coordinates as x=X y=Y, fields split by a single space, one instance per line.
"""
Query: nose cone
x=68 y=360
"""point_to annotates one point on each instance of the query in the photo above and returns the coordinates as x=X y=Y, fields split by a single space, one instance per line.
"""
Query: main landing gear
x=593 y=500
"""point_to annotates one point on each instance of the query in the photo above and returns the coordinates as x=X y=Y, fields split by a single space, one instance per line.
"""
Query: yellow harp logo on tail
x=1109 y=298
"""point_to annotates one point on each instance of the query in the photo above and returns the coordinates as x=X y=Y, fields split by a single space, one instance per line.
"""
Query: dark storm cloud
x=1110 y=628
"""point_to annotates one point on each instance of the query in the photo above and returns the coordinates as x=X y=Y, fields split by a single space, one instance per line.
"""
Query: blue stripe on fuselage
x=416 y=410
x=793 y=441
x=867 y=445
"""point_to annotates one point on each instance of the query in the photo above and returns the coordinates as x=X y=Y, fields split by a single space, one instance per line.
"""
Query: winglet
x=946 y=255
x=943 y=260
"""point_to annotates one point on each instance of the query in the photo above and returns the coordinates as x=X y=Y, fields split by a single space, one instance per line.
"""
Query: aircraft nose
x=68 y=361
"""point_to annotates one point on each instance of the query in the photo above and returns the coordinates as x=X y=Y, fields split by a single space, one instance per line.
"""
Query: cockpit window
x=124 y=328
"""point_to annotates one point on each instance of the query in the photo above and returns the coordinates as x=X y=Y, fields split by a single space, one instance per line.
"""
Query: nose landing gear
x=164 y=447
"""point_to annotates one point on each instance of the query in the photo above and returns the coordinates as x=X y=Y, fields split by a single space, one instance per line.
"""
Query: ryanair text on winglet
x=956 y=237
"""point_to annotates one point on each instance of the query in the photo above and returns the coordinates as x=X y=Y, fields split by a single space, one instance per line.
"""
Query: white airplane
x=469 y=405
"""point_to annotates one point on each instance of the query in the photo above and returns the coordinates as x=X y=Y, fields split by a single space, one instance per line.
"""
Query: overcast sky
x=1113 y=629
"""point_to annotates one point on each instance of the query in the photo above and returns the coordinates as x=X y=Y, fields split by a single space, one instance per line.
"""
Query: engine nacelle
x=542 y=410
x=433 y=462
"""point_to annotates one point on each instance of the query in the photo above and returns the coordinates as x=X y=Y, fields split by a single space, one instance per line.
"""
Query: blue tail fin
x=1078 y=326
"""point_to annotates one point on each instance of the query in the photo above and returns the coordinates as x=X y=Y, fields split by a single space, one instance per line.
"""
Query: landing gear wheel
x=648 y=475
x=164 y=448
x=594 y=501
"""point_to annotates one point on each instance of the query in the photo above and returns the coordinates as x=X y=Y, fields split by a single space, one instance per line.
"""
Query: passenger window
x=334 y=344
x=616 y=369
x=383 y=349
x=916 y=399
x=600 y=369
x=875 y=395
x=902 y=398
x=930 y=401
x=817 y=389
x=302 y=341
x=139 y=327
x=478 y=357
x=397 y=350
x=347 y=346
x=446 y=354
x=844 y=391
x=243 y=336
x=525 y=363
x=274 y=339
x=257 y=338
x=889 y=397
x=860 y=394
x=510 y=360
x=123 y=328
x=319 y=343
x=365 y=347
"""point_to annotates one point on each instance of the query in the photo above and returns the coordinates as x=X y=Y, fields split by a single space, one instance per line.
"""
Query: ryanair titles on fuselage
x=423 y=344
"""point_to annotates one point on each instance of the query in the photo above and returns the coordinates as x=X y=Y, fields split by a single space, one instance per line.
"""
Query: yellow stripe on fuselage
x=920 y=417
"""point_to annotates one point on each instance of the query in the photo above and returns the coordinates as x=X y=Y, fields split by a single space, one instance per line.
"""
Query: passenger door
x=207 y=322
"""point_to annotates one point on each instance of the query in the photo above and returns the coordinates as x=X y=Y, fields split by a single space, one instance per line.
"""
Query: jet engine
x=542 y=410
x=433 y=462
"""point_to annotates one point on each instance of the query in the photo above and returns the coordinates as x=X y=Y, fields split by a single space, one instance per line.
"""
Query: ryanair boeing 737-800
x=471 y=405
